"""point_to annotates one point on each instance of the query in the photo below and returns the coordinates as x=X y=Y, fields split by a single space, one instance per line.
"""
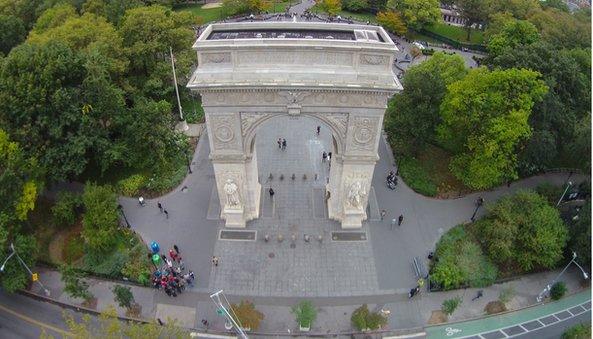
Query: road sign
x=35 y=277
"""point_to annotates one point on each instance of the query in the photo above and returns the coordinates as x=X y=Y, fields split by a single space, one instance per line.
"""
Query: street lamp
x=548 y=287
x=223 y=310
x=566 y=190
x=34 y=276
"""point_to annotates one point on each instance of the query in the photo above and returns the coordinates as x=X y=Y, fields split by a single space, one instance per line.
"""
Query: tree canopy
x=417 y=13
x=484 y=117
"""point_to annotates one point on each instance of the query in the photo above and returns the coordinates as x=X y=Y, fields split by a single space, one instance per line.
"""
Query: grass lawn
x=429 y=174
x=363 y=16
x=215 y=14
x=457 y=33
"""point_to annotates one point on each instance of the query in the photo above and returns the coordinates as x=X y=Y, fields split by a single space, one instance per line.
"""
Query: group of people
x=171 y=276
x=326 y=156
x=281 y=144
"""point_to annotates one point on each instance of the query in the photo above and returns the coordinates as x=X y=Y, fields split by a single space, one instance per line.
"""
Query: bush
x=305 y=313
x=506 y=295
x=450 y=305
x=138 y=267
x=248 y=315
x=558 y=290
x=416 y=177
x=64 y=211
x=362 y=319
x=131 y=185
x=580 y=331
x=523 y=229
x=550 y=192
x=73 y=285
x=392 y=21
x=355 y=5
x=461 y=262
x=100 y=220
x=123 y=296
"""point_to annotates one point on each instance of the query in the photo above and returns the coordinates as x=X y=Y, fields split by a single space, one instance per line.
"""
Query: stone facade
x=344 y=84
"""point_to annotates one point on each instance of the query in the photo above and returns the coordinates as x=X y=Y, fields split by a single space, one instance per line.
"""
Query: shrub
x=523 y=229
x=355 y=5
x=100 y=220
x=249 y=317
x=550 y=192
x=450 y=305
x=137 y=267
x=362 y=319
x=392 y=21
x=123 y=296
x=305 y=313
x=506 y=294
x=580 y=331
x=131 y=185
x=376 y=321
x=64 y=211
x=416 y=177
x=558 y=290
x=73 y=285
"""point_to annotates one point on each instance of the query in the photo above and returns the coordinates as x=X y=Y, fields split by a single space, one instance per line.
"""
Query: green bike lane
x=516 y=322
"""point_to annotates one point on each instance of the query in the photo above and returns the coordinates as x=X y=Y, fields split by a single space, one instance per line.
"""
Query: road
x=555 y=331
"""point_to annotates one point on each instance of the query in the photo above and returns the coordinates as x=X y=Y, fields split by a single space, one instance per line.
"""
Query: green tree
x=485 y=115
x=73 y=283
x=558 y=290
x=392 y=21
x=356 y=5
x=523 y=230
x=100 y=219
x=580 y=331
x=558 y=4
x=561 y=29
x=15 y=276
x=26 y=10
x=450 y=305
x=12 y=32
x=54 y=17
x=413 y=114
x=123 y=296
x=417 y=13
x=305 y=313
x=580 y=236
x=474 y=12
x=331 y=7
x=514 y=34
x=64 y=210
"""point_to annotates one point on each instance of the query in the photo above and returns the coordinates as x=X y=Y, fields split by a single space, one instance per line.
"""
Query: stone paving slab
x=185 y=316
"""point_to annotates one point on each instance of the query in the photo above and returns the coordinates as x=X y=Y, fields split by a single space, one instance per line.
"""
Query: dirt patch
x=73 y=246
x=212 y=5
x=91 y=303
x=437 y=317
x=134 y=311
x=56 y=247
x=494 y=307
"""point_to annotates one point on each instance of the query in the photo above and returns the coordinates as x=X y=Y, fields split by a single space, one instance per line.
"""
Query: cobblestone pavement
x=326 y=268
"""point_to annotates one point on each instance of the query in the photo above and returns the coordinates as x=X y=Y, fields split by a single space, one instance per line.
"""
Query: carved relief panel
x=356 y=188
x=225 y=131
x=363 y=134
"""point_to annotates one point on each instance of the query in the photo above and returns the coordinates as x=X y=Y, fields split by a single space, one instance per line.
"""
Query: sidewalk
x=334 y=313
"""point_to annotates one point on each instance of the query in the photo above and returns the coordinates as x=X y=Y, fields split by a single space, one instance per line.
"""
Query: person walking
x=323 y=156
x=284 y=144
x=141 y=201
x=393 y=222
x=279 y=143
x=176 y=249
x=400 y=220
x=215 y=261
x=173 y=254
x=271 y=193
x=318 y=129
x=160 y=206
x=383 y=214
x=166 y=214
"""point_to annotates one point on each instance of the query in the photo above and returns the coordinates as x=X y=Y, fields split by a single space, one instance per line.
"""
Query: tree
x=580 y=236
x=562 y=29
x=15 y=276
x=523 y=231
x=474 y=12
x=450 y=305
x=100 y=219
x=580 y=331
x=305 y=313
x=12 y=32
x=413 y=114
x=73 y=283
x=519 y=9
x=64 y=210
x=356 y=5
x=26 y=10
x=123 y=296
x=331 y=7
x=392 y=21
x=249 y=316
x=363 y=319
x=558 y=290
x=558 y=4
x=484 y=117
x=54 y=17
x=417 y=13
x=515 y=34
x=39 y=91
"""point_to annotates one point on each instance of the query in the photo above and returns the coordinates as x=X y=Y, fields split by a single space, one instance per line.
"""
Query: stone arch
x=249 y=135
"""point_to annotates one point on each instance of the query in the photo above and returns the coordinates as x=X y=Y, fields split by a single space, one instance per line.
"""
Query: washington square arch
x=339 y=74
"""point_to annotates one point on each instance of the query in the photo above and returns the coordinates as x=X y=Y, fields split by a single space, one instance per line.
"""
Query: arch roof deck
x=294 y=54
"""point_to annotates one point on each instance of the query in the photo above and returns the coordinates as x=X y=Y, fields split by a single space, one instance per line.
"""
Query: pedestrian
x=400 y=220
x=168 y=290
x=271 y=192
x=176 y=249
x=478 y=295
x=480 y=201
x=393 y=222
x=279 y=143
x=160 y=321
x=169 y=263
x=173 y=254
x=215 y=260
x=283 y=144
x=141 y=201
x=163 y=257
x=160 y=206
x=323 y=156
x=318 y=129
x=166 y=214
x=181 y=265
x=383 y=214
x=329 y=156
x=205 y=323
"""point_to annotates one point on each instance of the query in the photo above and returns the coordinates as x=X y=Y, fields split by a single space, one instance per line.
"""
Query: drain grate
x=349 y=236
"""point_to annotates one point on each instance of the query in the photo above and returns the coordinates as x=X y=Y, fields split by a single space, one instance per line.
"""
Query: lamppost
x=548 y=287
x=479 y=204
x=33 y=275
x=566 y=190
x=221 y=309
x=121 y=210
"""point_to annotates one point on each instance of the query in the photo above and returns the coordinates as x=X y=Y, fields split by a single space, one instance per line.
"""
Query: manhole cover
x=271 y=255
x=293 y=245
